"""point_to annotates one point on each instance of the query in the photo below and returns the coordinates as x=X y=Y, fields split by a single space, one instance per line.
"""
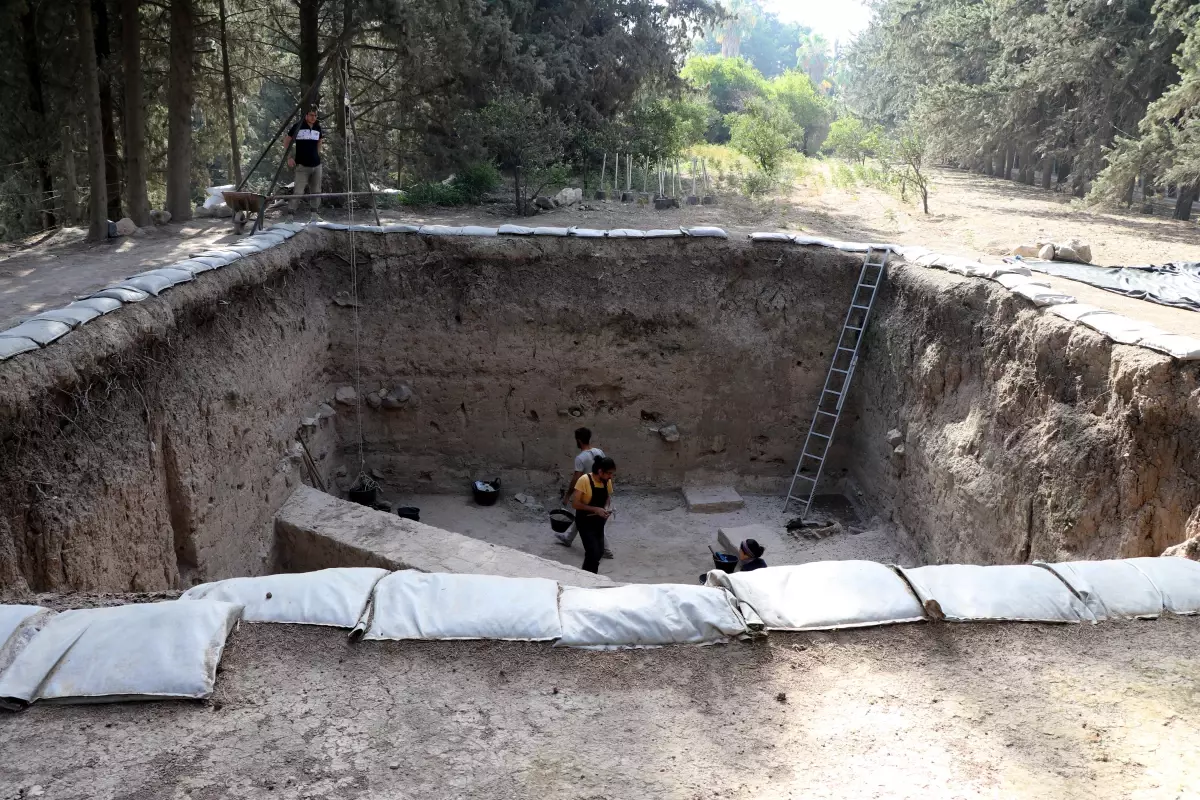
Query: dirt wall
x=149 y=449
x=504 y=346
x=1024 y=436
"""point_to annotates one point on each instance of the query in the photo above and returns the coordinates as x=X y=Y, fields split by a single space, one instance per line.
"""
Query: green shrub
x=477 y=181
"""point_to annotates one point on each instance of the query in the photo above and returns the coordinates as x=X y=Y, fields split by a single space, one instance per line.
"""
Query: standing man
x=307 y=160
x=583 y=466
x=592 y=502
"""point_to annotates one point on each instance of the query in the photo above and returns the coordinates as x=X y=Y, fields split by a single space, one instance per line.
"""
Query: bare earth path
x=972 y=216
x=921 y=711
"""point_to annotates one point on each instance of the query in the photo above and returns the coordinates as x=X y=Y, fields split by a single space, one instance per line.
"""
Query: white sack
x=102 y=304
x=1177 y=578
x=477 y=230
x=1019 y=592
x=1011 y=281
x=18 y=626
x=715 y=233
x=1110 y=589
x=335 y=597
x=140 y=651
x=365 y=228
x=549 y=231
x=1075 y=311
x=399 y=228
x=71 y=315
x=430 y=605
x=15 y=345
x=626 y=233
x=42 y=331
x=824 y=595
x=332 y=226
x=586 y=233
x=992 y=270
x=515 y=230
x=1122 y=330
x=215 y=195
x=1041 y=296
x=665 y=233
x=804 y=239
x=770 y=237
x=1184 y=348
x=647 y=615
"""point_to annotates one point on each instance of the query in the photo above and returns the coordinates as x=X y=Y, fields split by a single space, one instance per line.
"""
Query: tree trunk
x=343 y=90
x=1147 y=194
x=1027 y=166
x=235 y=155
x=1064 y=169
x=135 y=112
x=1047 y=171
x=112 y=159
x=98 y=227
x=517 y=188
x=1183 y=203
x=310 y=47
x=1009 y=157
x=180 y=91
x=70 y=182
x=37 y=106
x=1127 y=197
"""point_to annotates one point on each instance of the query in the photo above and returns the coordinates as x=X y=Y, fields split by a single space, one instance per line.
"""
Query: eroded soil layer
x=1024 y=436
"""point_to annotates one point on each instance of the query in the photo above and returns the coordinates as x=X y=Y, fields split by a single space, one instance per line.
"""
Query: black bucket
x=724 y=562
x=486 y=492
x=560 y=520
x=365 y=491
x=409 y=512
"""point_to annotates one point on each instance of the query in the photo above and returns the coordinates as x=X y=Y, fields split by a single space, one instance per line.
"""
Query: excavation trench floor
x=655 y=539
x=910 y=711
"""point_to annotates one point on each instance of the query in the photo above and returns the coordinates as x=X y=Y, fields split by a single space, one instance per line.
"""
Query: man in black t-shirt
x=307 y=161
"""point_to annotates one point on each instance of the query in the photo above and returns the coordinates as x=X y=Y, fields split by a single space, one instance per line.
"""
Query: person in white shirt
x=584 y=459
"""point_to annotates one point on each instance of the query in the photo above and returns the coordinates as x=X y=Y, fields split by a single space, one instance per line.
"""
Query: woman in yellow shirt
x=592 y=500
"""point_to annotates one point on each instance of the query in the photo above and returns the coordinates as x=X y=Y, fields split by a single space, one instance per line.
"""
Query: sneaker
x=562 y=539
x=607 y=553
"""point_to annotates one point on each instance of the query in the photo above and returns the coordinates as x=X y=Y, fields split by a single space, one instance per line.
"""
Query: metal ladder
x=837 y=382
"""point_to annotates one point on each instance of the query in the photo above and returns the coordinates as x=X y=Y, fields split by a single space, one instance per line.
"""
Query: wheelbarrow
x=245 y=205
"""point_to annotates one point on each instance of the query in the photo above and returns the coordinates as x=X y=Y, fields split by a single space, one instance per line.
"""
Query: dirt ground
x=655 y=539
x=971 y=215
x=921 y=711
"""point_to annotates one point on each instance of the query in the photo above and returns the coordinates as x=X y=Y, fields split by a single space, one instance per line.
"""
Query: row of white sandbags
x=50 y=326
x=846 y=594
x=521 y=230
x=377 y=604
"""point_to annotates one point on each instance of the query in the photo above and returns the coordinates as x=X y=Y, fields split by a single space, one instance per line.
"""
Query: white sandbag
x=1075 y=311
x=431 y=605
x=15 y=345
x=440 y=230
x=223 y=256
x=139 y=651
x=150 y=284
x=1041 y=296
x=365 y=228
x=42 y=331
x=1183 y=348
x=1110 y=589
x=770 y=237
x=647 y=615
x=928 y=259
x=399 y=228
x=804 y=239
x=292 y=227
x=1019 y=592
x=126 y=294
x=174 y=276
x=824 y=595
x=1120 y=329
x=547 y=231
x=665 y=233
x=1178 y=579
x=626 y=233
x=912 y=252
x=705 y=231
x=1011 y=281
x=18 y=625
x=73 y=316
x=103 y=305
x=515 y=230
x=959 y=265
x=331 y=226
x=586 y=233
x=992 y=270
x=478 y=230
x=334 y=597
x=271 y=238
x=216 y=195
x=198 y=265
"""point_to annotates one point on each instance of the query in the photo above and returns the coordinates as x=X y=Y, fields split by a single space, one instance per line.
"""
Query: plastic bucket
x=724 y=562
x=365 y=492
x=486 y=492
x=560 y=520
x=409 y=512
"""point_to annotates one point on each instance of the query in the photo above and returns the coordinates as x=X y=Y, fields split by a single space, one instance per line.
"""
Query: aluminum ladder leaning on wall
x=837 y=381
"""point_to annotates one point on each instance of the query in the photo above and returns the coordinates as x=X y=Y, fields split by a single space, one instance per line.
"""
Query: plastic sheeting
x=1170 y=284
x=422 y=605
x=42 y=331
x=1022 y=592
x=333 y=597
x=1177 y=578
x=1111 y=589
x=647 y=615
x=139 y=651
x=18 y=625
x=824 y=595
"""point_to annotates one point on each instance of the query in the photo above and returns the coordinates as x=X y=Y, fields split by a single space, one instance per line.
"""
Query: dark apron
x=589 y=520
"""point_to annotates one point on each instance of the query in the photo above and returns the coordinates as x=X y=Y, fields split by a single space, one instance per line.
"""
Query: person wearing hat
x=307 y=159
x=750 y=556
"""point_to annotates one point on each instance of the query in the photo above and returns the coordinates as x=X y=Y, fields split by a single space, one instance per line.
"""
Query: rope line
x=349 y=170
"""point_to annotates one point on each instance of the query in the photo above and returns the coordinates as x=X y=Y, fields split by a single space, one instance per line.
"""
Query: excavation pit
x=152 y=448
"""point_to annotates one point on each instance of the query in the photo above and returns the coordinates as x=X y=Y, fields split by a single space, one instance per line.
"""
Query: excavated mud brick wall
x=1023 y=436
x=690 y=359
